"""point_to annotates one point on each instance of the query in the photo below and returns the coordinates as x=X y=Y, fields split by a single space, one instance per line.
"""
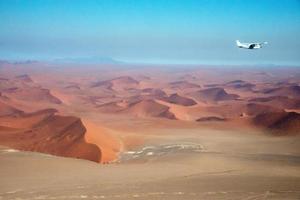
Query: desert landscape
x=149 y=99
x=130 y=131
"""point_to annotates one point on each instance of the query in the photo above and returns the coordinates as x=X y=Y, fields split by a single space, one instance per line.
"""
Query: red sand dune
x=182 y=85
x=32 y=94
x=123 y=82
x=95 y=100
x=282 y=123
x=227 y=110
x=149 y=108
x=24 y=78
x=186 y=113
x=153 y=92
x=240 y=85
x=144 y=94
x=3 y=97
x=213 y=95
x=282 y=102
x=6 y=110
x=26 y=120
x=104 y=84
x=111 y=107
x=253 y=109
x=105 y=140
x=46 y=132
x=180 y=100
x=290 y=91
x=23 y=88
x=240 y=109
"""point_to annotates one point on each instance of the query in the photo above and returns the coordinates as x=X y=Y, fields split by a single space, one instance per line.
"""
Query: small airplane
x=250 y=45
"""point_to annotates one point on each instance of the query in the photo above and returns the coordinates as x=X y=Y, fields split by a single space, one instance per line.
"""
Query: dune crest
x=149 y=108
x=46 y=132
x=279 y=123
x=22 y=88
x=119 y=83
x=180 y=100
x=105 y=140
x=183 y=85
x=292 y=91
x=213 y=95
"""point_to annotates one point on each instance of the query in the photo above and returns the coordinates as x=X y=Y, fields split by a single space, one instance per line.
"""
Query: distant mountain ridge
x=88 y=60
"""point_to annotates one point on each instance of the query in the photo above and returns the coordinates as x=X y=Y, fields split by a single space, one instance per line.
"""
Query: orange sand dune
x=32 y=94
x=24 y=89
x=240 y=85
x=155 y=92
x=292 y=91
x=26 y=120
x=46 y=132
x=105 y=139
x=119 y=83
x=111 y=107
x=213 y=95
x=282 y=102
x=180 y=100
x=241 y=109
x=7 y=110
x=281 y=123
x=183 y=85
x=189 y=113
x=254 y=109
x=149 y=108
x=24 y=78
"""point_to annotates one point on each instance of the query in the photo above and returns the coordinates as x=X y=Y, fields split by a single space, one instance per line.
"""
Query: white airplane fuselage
x=249 y=45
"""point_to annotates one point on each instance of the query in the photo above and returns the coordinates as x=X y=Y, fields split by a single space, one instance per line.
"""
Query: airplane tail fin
x=238 y=42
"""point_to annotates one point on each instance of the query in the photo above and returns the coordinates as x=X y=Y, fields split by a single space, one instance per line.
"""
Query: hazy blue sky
x=175 y=31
